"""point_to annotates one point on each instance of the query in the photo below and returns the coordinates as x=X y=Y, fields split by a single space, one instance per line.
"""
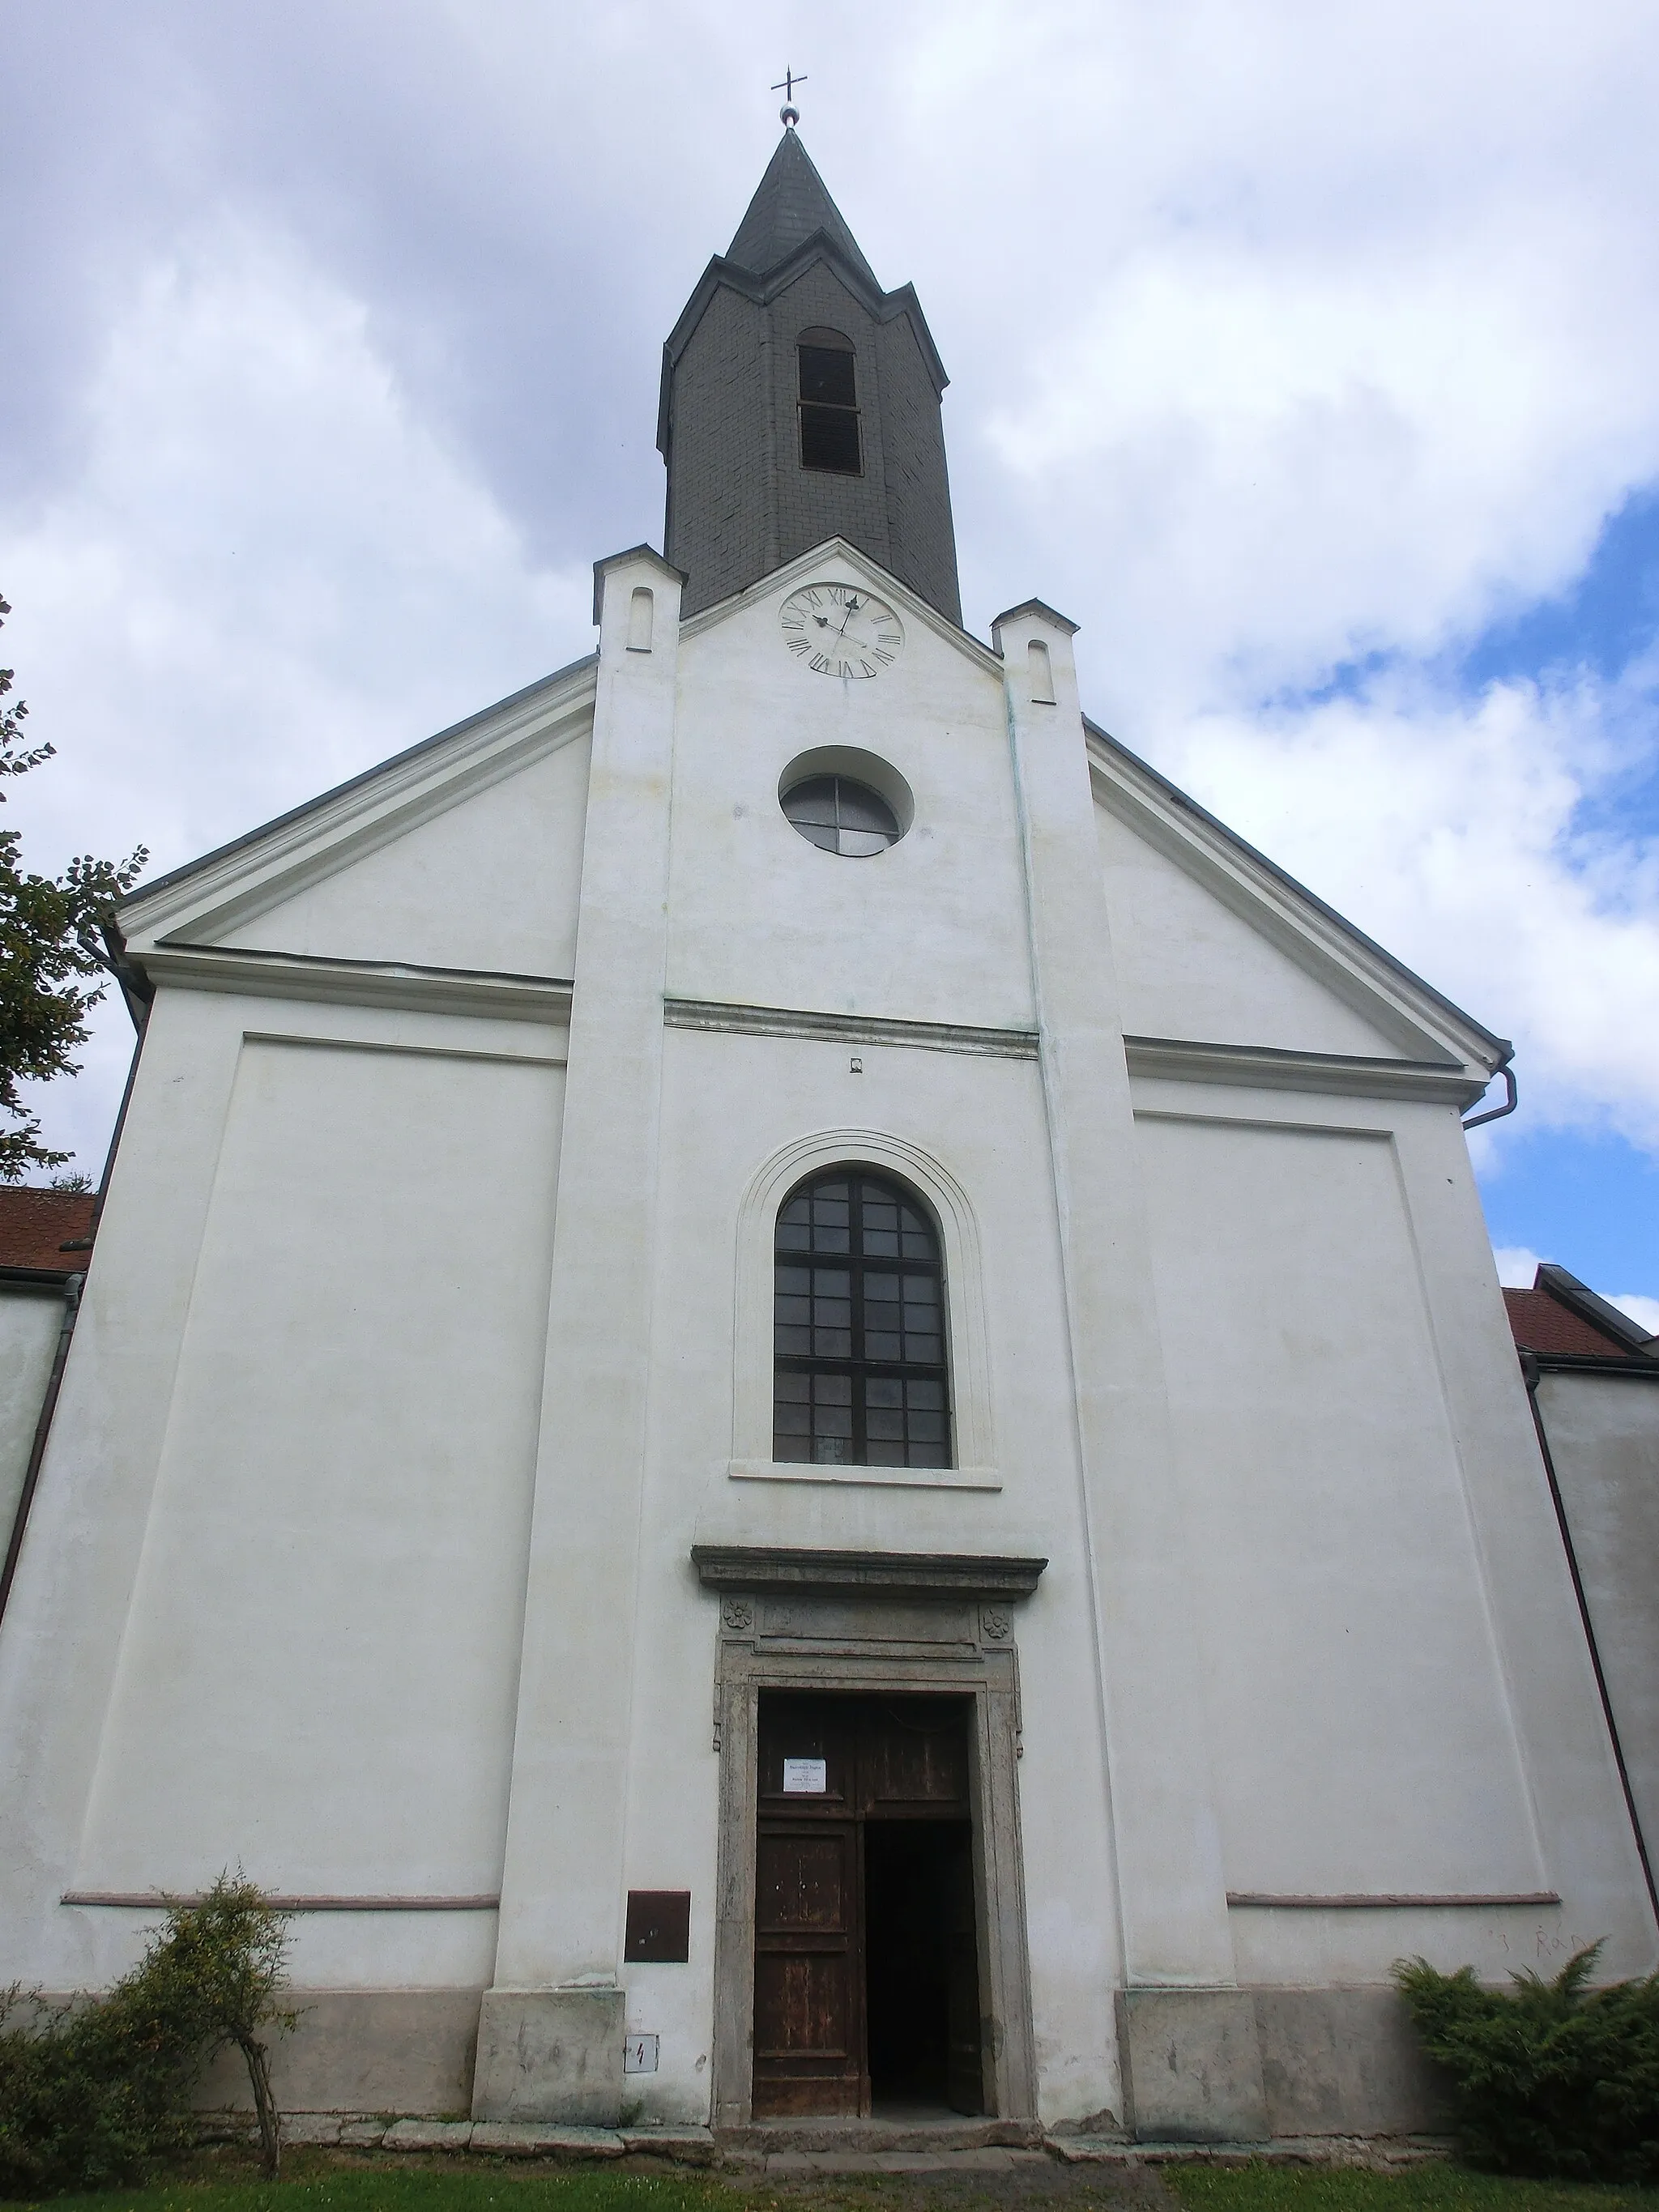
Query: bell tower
x=801 y=401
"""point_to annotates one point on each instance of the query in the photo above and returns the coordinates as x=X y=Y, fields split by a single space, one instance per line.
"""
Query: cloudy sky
x=1303 y=354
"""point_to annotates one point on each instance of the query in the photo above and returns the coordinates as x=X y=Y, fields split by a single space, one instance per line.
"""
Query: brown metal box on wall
x=659 y=1930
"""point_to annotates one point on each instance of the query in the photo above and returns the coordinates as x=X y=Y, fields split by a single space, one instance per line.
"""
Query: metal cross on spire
x=788 y=114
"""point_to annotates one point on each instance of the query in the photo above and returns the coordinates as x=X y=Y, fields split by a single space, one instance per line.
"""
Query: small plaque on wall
x=805 y=1777
x=659 y=1927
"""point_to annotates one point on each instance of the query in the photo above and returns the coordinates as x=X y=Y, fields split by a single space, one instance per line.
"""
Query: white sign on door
x=805 y=1777
x=639 y=2054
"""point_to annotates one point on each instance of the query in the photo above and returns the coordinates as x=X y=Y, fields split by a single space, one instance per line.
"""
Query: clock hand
x=852 y=609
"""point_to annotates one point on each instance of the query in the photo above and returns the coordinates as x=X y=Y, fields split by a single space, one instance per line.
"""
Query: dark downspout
x=1529 y=1368
x=1511 y=1097
x=42 y=1430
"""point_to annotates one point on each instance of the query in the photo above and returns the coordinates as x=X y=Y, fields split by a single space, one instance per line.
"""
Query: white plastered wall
x=1187 y=966
x=493 y=882
x=281 y=1519
x=1603 y=1434
x=731 y=1105
x=1401 y=1700
x=928 y=931
x=31 y=1318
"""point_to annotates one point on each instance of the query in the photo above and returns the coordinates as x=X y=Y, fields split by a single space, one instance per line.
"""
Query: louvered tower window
x=859 y=1327
x=828 y=404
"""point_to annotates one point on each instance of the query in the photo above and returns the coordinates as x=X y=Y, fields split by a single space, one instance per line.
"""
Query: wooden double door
x=867 y=1974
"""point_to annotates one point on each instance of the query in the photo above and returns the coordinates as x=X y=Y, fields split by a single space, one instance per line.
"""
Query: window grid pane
x=841 y=815
x=858 y=1329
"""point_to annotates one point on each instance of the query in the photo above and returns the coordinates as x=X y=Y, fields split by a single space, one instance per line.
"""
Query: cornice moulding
x=849 y=1029
x=1388 y=1900
x=157 y=1901
x=865 y=1477
x=1270 y=1067
x=1615 y=1367
x=360 y=983
x=762 y=287
x=765 y=1569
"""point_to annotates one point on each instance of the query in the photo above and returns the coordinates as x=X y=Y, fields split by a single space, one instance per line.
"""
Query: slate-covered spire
x=800 y=402
x=791 y=202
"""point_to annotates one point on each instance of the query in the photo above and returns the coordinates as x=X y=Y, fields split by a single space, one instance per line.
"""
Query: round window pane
x=842 y=817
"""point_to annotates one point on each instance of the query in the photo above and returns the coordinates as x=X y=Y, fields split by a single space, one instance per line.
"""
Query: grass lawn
x=312 y=2182
x=324 y=2182
x=1431 y=2188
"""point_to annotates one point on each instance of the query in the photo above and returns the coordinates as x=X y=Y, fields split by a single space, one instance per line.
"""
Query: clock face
x=839 y=630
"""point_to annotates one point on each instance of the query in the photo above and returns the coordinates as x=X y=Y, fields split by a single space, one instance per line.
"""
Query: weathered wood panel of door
x=809 y=1969
x=913 y=1758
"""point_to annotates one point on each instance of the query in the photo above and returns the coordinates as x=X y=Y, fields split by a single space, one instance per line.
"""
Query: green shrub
x=97 y=2093
x=1551 y=2077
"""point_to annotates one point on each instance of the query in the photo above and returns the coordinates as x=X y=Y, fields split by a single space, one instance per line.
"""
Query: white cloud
x=1445 y=828
x=1643 y=1310
x=1281 y=333
x=264 y=576
x=1516 y=1266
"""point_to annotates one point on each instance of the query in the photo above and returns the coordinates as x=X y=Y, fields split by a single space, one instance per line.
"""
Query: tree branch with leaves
x=52 y=935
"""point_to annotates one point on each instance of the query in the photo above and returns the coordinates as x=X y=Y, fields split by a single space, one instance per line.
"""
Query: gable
x=1291 y=965
x=491 y=883
x=1189 y=966
x=462 y=855
x=936 y=932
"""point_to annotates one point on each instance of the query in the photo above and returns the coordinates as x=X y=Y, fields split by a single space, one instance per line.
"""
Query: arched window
x=829 y=403
x=859 y=1327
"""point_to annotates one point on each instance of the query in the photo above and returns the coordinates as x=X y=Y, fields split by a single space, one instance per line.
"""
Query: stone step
x=990 y=2159
x=837 y=2137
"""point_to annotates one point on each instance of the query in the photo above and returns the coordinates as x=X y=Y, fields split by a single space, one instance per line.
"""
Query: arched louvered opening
x=828 y=373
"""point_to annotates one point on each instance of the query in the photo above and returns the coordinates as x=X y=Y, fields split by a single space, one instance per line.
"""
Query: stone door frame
x=854 y=1622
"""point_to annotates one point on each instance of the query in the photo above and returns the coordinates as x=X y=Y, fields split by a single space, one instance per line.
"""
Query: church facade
x=792 y=1397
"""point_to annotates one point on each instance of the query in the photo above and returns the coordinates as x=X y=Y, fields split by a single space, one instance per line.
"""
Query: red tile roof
x=1541 y=1323
x=34 y=1223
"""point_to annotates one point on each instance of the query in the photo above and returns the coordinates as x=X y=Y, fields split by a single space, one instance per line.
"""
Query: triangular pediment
x=838 y=560
x=461 y=854
x=1215 y=947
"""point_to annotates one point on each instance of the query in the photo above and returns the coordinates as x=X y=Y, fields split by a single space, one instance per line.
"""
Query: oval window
x=841 y=815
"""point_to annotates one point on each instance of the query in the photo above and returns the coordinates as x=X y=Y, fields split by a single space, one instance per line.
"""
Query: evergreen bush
x=97 y=2093
x=1551 y=2077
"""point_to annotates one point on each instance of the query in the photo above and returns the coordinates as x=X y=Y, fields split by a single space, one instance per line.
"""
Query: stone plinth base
x=361 y=2051
x=1237 y=2065
x=551 y=2055
x=1192 y=2066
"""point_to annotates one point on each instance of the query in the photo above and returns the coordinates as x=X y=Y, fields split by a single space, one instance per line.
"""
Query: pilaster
x=556 y=2012
x=1171 y=1891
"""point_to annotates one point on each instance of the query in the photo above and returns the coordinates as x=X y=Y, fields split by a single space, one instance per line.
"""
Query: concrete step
x=876 y=2137
x=990 y=2159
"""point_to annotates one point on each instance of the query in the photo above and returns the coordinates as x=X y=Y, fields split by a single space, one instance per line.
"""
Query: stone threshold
x=839 y=2137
